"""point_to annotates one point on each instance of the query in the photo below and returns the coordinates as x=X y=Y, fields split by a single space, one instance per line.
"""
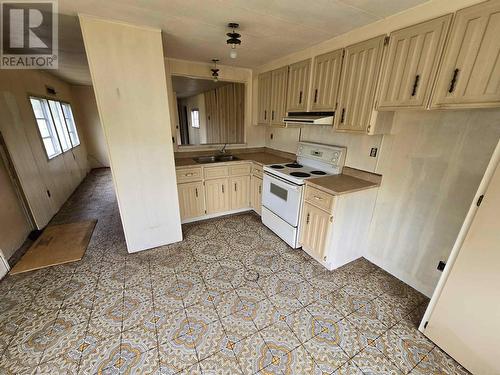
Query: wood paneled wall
x=225 y=113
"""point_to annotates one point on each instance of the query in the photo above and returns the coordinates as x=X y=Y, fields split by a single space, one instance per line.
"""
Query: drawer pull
x=189 y=174
x=318 y=198
x=196 y=192
x=222 y=189
x=235 y=187
x=307 y=219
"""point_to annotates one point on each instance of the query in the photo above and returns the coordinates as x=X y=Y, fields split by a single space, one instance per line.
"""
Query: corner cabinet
x=469 y=76
x=298 y=86
x=360 y=72
x=411 y=64
x=264 y=99
x=279 y=84
x=326 y=80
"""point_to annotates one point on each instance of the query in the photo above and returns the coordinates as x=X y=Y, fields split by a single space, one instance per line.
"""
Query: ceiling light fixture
x=215 y=70
x=234 y=39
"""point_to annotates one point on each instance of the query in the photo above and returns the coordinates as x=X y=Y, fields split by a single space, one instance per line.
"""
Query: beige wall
x=254 y=135
x=14 y=226
x=37 y=174
x=88 y=118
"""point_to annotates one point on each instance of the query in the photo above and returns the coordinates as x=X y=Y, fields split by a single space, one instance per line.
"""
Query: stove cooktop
x=294 y=172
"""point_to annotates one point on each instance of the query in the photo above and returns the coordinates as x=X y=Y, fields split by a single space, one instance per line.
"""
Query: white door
x=282 y=198
x=463 y=318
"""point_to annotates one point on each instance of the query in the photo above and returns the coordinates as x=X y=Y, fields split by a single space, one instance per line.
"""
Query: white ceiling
x=186 y=87
x=195 y=29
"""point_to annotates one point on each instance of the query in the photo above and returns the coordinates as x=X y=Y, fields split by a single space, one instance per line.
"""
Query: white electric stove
x=283 y=186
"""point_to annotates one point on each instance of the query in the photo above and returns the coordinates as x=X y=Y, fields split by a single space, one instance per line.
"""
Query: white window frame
x=195 y=124
x=69 y=132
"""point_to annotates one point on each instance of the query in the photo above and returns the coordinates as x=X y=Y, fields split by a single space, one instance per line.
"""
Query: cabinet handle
x=342 y=116
x=196 y=192
x=307 y=219
x=453 y=81
x=260 y=189
x=189 y=174
x=415 y=85
x=272 y=114
x=315 y=95
x=222 y=189
x=235 y=187
x=300 y=97
x=265 y=115
x=318 y=198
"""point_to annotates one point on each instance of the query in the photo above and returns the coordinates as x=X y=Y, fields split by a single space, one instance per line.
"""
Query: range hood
x=309 y=118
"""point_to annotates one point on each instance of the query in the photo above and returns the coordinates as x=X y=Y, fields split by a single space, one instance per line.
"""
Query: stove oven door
x=282 y=198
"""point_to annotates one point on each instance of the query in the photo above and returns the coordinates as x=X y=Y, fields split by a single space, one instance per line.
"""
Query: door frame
x=462 y=234
x=6 y=159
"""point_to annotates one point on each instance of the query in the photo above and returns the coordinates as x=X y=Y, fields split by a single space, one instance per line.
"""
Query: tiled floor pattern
x=232 y=298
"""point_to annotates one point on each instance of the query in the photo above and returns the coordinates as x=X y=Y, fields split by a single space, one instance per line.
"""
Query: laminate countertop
x=341 y=184
x=261 y=158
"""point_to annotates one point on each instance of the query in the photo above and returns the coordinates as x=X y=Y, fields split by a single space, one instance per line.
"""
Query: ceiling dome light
x=215 y=71
x=234 y=39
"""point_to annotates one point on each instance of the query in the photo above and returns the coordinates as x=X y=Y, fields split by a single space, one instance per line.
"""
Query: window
x=56 y=125
x=46 y=127
x=195 y=118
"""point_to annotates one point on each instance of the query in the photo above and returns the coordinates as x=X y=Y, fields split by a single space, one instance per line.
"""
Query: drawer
x=189 y=174
x=239 y=170
x=215 y=172
x=257 y=170
x=319 y=198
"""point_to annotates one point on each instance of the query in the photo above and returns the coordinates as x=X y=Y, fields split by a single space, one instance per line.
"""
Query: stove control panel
x=334 y=155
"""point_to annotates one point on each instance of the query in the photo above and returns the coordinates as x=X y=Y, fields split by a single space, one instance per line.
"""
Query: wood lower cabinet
x=256 y=194
x=360 y=72
x=217 y=195
x=315 y=228
x=469 y=76
x=411 y=64
x=191 y=199
x=240 y=192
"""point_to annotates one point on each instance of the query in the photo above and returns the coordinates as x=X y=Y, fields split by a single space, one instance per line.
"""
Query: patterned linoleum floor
x=232 y=298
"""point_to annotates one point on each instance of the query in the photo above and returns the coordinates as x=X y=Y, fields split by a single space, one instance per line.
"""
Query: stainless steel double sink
x=215 y=159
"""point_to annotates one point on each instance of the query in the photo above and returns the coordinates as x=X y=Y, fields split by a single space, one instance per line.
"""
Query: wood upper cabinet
x=217 y=195
x=361 y=67
x=298 y=86
x=315 y=229
x=326 y=80
x=191 y=199
x=410 y=67
x=264 y=98
x=279 y=81
x=469 y=76
x=256 y=194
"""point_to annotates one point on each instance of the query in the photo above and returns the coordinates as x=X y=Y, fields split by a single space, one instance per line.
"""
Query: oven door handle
x=282 y=182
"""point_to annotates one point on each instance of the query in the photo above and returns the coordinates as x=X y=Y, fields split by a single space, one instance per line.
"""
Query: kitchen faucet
x=223 y=149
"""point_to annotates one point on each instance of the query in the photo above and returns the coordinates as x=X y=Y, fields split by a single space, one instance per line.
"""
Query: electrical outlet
x=373 y=152
x=441 y=265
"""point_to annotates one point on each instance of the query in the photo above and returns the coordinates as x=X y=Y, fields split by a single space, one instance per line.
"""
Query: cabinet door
x=314 y=230
x=469 y=76
x=240 y=192
x=217 y=195
x=191 y=199
x=326 y=79
x=256 y=194
x=279 y=80
x=358 y=84
x=412 y=61
x=264 y=98
x=298 y=85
